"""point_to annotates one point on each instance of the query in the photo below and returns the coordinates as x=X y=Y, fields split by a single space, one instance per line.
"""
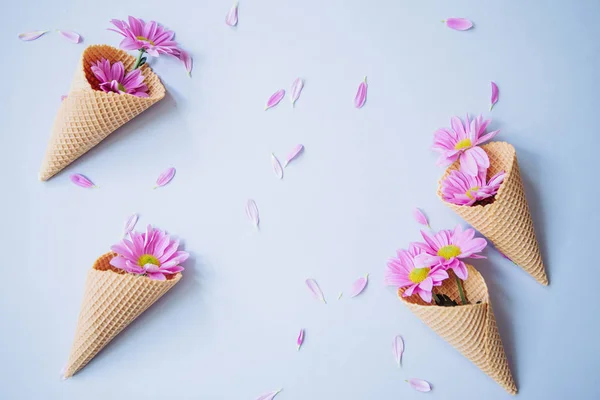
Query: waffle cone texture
x=88 y=115
x=507 y=221
x=112 y=300
x=470 y=328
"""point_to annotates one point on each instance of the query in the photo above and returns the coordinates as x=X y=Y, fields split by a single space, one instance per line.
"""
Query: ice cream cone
x=112 y=300
x=470 y=328
x=88 y=115
x=506 y=222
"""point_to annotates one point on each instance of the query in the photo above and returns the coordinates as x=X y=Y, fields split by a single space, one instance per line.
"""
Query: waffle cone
x=506 y=221
x=88 y=115
x=112 y=300
x=470 y=328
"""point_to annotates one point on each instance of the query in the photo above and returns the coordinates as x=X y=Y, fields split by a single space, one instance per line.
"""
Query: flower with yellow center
x=418 y=275
x=463 y=144
x=469 y=193
x=448 y=252
x=148 y=259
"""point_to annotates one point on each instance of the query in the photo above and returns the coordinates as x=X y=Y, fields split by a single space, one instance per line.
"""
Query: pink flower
x=150 y=37
x=447 y=248
x=465 y=190
x=113 y=78
x=152 y=253
x=406 y=270
x=461 y=142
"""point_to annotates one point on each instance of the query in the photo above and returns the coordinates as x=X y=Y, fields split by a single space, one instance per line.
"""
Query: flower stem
x=461 y=291
x=435 y=298
x=138 y=61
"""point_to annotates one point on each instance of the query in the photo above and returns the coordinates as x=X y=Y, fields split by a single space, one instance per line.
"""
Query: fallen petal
x=275 y=99
x=361 y=94
x=300 y=339
x=316 y=290
x=28 y=36
x=495 y=94
x=165 y=177
x=71 y=36
x=82 y=181
x=420 y=217
x=459 y=24
x=419 y=384
x=232 y=16
x=252 y=212
x=276 y=166
x=130 y=223
x=359 y=285
x=293 y=154
x=186 y=59
x=269 y=396
x=398 y=349
x=296 y=90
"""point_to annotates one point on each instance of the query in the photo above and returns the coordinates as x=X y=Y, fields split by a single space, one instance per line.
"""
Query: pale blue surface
x=228 y=330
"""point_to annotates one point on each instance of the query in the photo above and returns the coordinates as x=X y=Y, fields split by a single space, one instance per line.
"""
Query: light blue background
x=228 y=330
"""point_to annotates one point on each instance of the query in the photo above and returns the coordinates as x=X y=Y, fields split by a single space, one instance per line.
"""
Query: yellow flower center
x=148 y=259
x=145 y=39
x=463 y=144
x=418 y=275
x=449 y=251
x=473 y=189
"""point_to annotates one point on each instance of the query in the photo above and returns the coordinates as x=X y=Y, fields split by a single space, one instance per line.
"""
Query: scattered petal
x=315 y=289
x=419 y=384
x=420 y=217
x=63 y=97
x=293 y=154
x=82 y=181
x=252 y=212
x=186 y=59
x=398 y=349
x=359 y=285
x=130 y=223
x=269 y=396
x=459 y=24
x=495 y=93
x=276 y=166
x=275 y=99
x=28 y=36
x=165 y=177
x=70 y=36
x=340 y=295
x=232 y=16
x=300 y=339
x=296 y=90
x=361 y=94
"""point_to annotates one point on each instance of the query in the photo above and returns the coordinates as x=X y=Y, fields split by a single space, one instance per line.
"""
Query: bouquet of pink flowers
x=451 y=297
x=109 y=89
x=121 y=285
x=483 y=185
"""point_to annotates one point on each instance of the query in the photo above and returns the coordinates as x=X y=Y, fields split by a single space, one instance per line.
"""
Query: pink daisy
x=113 y=78
x=406 y=270
x=152 y=253
x=150 y=37
x=449 y=247
x=462 y=142
x=465 y=190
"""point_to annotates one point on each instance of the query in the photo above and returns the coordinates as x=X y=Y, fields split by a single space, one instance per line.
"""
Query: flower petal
x=300 y=339
x=275 y=99
x=419 y=384
x=82 y=181
x=295 y=90
x=252 y=212
x=276 y=166
x=398 y=349
x=361 y=94
x=269 y=395
x=420 y=217
x=359 y=285
x=130 y=223
x=71 y=36
x=165 y=177
x=28 y=36
x=495 y=93
x=459 y=24
x=157 y=276
x=231 y=18
x=315 y=289
x=293 y=154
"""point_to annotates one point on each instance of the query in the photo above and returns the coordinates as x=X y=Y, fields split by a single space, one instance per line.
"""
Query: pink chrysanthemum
x=449 y=247
x=462 y=142
x=113 y=78
x=464 y=190
x=406 y=270
x=150 y=36
x=152 y=253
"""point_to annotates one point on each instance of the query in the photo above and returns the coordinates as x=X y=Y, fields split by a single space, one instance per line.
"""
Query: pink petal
x=398 y=349
x=165 y=177
x=361 y=94
x=275 y=99
x=130 y=223
x=295 y=90
x=419 y=384
x=71 y=36
x=300 y=339
x=269 y=396
x=293 y=154
x=420 y=217
x=459 y=24
x=186 y=59
x=82 y=181
x=252 y=212
x=315 y=289
x=494 y=99
x=359 y=285
x=276 y=166
x=157 y=276
x=28 y=36
x=232 y=16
